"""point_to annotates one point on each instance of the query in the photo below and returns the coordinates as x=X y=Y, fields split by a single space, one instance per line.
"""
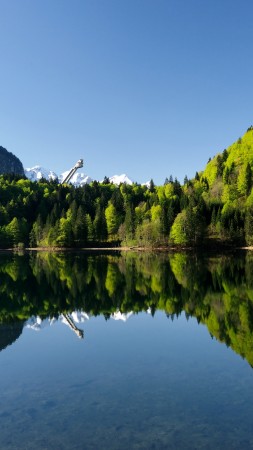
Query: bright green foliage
x=112 y=220
x=244 y=181
x=156 y=213
x=214 y=205
x=16 y=231
x=178 y=232
x=65 y=237
x=232 y=161
x=188 y=227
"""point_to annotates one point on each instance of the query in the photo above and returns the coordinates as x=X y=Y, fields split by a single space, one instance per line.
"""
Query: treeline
x=48 y=214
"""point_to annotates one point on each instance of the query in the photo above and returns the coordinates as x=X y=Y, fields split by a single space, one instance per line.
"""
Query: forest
x=213 y=208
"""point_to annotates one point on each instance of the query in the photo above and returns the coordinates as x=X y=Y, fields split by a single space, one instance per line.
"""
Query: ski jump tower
x=67 y=317
x=72 y=171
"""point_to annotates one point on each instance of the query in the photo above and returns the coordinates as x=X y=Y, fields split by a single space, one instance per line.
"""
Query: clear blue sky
x=146 y=87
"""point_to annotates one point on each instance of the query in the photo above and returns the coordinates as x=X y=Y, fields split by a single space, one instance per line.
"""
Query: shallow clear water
x=144 y=383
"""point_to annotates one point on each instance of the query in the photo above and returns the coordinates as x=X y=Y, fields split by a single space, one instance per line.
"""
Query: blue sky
x=145 y=87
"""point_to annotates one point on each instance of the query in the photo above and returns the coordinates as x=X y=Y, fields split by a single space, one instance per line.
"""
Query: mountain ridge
x=38 y=172
x=10 y=164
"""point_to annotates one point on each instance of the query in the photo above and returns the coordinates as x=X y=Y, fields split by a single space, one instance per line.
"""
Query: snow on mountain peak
x=37 y=172
x=78 y=179
x=147 y=184
x=118 y=179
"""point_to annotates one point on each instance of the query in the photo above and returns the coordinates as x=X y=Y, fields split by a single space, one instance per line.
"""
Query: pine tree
x=129 y=221
x=90 y=229
x=99 y=224
x=248 y=179
x=80 y=231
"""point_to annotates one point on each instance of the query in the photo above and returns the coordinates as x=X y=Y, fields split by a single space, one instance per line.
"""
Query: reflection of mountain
x=119 y=316
x=37 y=323
x=9 y=333
x=71 y=319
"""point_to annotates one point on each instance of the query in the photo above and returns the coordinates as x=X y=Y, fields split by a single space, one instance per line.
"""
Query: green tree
x=65 y=237
x=99 y=224
x=16 y=230
x=79 y=228
x=112 y=220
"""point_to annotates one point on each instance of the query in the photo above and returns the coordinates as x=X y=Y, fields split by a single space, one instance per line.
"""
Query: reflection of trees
x=217 y=291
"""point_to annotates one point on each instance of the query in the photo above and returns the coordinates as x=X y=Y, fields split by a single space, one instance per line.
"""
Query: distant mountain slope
x=9 y=163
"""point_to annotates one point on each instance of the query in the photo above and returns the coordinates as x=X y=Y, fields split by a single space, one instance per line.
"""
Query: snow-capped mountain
x=118 y=179
x=147 y=184
x=37 y=172
x=79 y=179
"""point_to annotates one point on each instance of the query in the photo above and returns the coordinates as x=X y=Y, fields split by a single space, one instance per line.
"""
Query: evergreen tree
x=129 y=221
x=249 y=226
x=80 y=230
x=99 y=224
x=89 y=227
x=248 y=179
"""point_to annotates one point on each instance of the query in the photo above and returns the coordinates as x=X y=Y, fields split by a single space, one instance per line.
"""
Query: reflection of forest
x=218 y=291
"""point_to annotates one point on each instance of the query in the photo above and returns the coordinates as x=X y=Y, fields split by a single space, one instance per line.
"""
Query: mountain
x=118 y=179
x=38 y=172
x=10 y=163
x=79 y=179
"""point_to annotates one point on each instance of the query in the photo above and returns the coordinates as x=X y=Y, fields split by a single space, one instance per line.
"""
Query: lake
x=126 y=351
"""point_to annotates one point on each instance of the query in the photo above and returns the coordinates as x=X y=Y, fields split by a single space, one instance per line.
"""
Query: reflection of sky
x=149 y=371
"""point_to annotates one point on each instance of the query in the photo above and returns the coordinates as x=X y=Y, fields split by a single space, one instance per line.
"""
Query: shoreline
x=127 y=249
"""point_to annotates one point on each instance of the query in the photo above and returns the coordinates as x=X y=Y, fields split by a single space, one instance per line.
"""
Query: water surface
x=165 y=361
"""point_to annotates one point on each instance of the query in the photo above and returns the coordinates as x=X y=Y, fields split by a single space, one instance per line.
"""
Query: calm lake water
x=132 y=351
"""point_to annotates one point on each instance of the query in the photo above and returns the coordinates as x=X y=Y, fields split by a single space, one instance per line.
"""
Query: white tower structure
x=72 y=171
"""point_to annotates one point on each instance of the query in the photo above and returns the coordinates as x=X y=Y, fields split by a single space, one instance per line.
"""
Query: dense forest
x=213 y=208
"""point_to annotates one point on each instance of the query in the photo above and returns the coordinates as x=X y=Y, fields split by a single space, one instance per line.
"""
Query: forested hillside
x=213 y=208
x=9 y=163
